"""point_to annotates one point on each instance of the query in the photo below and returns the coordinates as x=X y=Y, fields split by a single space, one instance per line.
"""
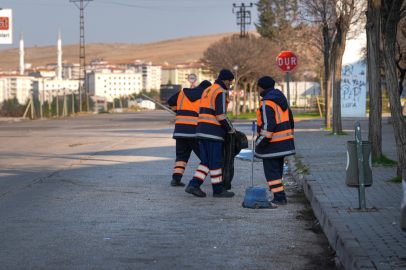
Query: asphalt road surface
x=92 y=192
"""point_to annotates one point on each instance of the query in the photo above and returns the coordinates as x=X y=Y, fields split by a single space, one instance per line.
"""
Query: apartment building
x=178 y=74
x=15 y=86
x=114 y=82
x=151 y=74
x=48 y=88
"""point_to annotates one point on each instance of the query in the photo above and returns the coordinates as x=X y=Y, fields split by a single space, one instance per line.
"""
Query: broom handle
x=252 y=154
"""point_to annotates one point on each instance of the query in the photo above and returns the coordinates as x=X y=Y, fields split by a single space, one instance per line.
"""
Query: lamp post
x=236 y=98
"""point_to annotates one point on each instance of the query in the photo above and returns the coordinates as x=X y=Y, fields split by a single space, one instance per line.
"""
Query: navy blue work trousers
x=273 y=169
x=211 y=153
x=184 y=148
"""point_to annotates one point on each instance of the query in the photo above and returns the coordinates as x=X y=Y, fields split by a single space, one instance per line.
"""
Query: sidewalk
x=362 y=240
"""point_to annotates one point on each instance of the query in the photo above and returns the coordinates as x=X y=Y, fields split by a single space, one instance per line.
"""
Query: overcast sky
x=121 y=21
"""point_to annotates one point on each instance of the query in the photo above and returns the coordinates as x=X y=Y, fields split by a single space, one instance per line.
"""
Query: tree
x=373 y=27
x=252 y=54
x=391 y=13
x=320 y=16
x=349 y=13
x=277 y=20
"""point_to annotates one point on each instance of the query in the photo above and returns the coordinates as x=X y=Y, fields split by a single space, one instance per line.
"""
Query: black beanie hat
x=204 y=84
x=266 y=82
x=225 y=74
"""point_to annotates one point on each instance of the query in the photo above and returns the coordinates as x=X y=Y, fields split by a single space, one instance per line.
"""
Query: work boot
x=224 y=194
x=279 y=202
x=195 y=191
x=177 y=183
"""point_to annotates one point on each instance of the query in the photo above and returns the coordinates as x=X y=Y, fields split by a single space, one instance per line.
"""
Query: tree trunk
x=256 y=98
x=233 y=111
x=327 y=86
x=296 y=94
x=342 y=25
x=374 y=77
x=390 y=18
x=237 y=92
x=321 y=84
x=244 y=103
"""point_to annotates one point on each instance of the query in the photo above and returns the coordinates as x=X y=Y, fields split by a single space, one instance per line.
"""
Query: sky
x=121 y=21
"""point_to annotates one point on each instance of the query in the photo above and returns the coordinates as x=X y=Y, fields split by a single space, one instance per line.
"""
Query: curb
x=341 y=239
x=8 y=120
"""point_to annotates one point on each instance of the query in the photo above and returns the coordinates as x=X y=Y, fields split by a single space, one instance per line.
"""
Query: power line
x=82 y=55
x=243 y=17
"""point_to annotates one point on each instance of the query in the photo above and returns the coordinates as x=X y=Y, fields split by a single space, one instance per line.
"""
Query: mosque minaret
x=59 y=55
x=21 y=53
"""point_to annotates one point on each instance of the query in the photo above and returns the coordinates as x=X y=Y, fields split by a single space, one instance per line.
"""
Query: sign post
x=192 y=78
x=287 y=62
x=6 y=26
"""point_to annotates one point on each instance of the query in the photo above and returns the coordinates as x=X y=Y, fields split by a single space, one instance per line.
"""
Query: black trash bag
x=232 y=147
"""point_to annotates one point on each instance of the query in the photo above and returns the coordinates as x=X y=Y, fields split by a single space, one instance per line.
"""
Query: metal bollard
x=359 y=172
x=403 y=204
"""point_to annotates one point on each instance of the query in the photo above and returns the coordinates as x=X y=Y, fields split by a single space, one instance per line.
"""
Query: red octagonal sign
x=286 y=61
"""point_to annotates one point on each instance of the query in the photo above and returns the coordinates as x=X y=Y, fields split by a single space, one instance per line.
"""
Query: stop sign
x=286 y=61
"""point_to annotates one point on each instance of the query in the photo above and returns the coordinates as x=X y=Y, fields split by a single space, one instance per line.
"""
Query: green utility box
x=352 y=175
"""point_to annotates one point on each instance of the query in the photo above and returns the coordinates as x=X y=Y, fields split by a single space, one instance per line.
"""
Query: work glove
x=233 y=131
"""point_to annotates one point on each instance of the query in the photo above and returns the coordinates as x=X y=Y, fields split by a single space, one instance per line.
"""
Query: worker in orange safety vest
x=212 y=127
x=274 y=136
x=186 y=104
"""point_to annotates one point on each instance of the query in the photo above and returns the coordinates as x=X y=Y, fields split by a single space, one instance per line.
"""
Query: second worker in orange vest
x=186 y=104
x=274 y=136
x=212 y=128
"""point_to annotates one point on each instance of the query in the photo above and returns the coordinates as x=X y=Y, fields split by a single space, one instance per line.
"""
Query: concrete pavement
x=362 y=240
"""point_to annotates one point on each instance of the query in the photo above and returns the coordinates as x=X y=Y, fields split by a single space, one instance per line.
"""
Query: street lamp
x=235 y=97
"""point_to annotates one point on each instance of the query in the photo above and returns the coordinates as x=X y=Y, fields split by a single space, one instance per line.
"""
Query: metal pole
x=57 y=103
x=252 y=153
x=49 y=103
x=42 y=103
x=237 y=105
x=73 y=102
x=361 y=187
x=65 y=109
x=403 y=204
x=32 y=105
x=287 y=88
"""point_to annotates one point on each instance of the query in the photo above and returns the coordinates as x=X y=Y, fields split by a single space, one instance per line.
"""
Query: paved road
x=93 y=192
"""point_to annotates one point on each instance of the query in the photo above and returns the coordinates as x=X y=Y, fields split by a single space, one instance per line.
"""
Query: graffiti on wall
x=353 y=88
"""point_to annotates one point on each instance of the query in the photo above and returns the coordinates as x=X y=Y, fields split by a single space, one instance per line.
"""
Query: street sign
x=286 y=61
x=6 y=26
x=192 y=78
x=231 y=93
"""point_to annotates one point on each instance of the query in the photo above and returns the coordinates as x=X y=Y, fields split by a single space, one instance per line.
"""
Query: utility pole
x=82 y=61
x=243 y=17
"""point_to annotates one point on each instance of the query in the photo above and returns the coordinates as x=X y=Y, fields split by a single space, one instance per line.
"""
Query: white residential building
x=51 y=87
x=15 y=86
x=178 y=74
x=151 y=74
x=113 y=82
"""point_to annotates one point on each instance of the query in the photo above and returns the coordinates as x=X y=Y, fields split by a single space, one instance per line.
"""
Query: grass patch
x=251 y=115
x=396 y=180
x=327 y=129
x=312 y=114
x=339 y=133
x=384 y=161
x=303 y=169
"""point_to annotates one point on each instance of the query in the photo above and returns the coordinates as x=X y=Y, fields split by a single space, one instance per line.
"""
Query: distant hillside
x=173 y=51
